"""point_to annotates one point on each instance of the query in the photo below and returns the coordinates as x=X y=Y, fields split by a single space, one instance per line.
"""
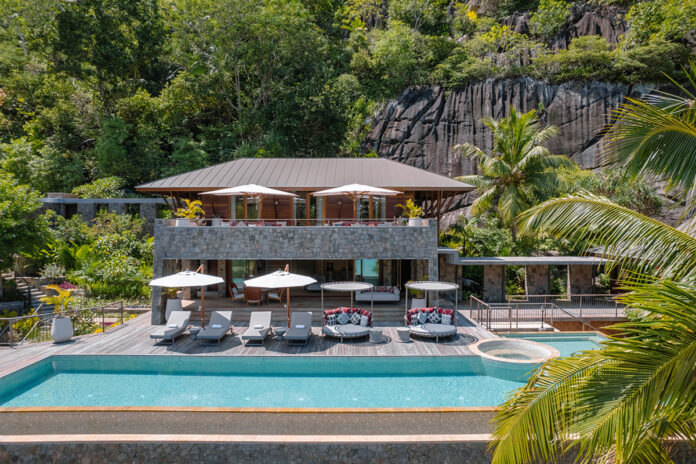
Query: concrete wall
x=292 y=243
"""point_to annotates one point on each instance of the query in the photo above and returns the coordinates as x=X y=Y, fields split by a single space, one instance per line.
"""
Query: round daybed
x=433 y=330
x=433 y=322
x=346 y=322
x=345 y=331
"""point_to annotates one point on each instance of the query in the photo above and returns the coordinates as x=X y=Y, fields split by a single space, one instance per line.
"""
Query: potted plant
x=413 y=212
x=187 y=215
x=61 y=328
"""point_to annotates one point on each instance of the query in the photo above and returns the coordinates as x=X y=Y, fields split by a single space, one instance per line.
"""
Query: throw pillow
x=434 y=318
x=422 y=317
x=343 y=318
x=330 y=319
x=355 y=318
x=364 y=321
x=446 y=319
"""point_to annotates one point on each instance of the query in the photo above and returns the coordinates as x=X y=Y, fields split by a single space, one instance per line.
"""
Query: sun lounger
x=259 y=327
x=431 y=322
x=176 y=325
x=220 y=323
x=300 y=328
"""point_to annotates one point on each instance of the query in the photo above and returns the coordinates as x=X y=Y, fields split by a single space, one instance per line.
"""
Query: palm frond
x=628 y=238
x=484 y=202
x=480 y=182
x=655 y=142
x=471 y=151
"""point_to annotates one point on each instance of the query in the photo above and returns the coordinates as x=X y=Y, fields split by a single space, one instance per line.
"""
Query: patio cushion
x=367 y=313
x=411 y=314
x=434 y=317
x=355 y=318
x=343 y=318
x=330 y=319
x=422 y=317
x=364 y=321
x=445 y=311
x=446 y=319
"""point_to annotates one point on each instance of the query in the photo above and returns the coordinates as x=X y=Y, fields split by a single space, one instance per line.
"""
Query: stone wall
x=580 y=279
x=415 y=452
x=536 y=280
x=494 y=284
x=292 y=243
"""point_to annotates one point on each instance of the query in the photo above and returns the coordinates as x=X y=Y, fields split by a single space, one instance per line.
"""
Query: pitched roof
x=307 y=174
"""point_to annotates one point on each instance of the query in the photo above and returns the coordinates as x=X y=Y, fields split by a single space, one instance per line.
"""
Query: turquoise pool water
x=259 y=382
x=565 y=343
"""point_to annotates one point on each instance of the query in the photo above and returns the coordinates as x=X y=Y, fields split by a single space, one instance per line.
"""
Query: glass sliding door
x=367 y=270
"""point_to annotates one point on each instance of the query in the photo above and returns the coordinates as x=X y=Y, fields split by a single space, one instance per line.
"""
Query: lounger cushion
x=434 y=317
x=422 y=317
x=434 y=330
x=412 y=314
x=364 y=321
x=355 y=318
x=446 y=319
x=345 y=331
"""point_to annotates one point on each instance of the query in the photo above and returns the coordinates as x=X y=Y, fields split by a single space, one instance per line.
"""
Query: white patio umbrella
x=353 y=191
x=188 y=279
x=280 y=279
x=250 y=190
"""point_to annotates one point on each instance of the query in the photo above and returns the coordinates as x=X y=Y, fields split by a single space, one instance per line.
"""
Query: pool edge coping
x=196 y=409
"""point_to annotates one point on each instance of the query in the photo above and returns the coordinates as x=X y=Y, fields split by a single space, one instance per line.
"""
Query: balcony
x=301 y=239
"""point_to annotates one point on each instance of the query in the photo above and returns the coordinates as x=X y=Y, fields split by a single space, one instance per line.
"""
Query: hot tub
x=513 y=351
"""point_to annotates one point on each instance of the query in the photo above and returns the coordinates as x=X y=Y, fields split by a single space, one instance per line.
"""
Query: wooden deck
x=133 y=339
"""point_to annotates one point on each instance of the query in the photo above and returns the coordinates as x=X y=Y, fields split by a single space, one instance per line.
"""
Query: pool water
x=296 y=382
x=565 y=343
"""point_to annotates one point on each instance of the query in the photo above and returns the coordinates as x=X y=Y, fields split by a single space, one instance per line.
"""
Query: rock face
x=422 y=126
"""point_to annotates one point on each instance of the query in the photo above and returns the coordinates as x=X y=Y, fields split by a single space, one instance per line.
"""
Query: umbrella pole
x=288 y=306
x=203 y=307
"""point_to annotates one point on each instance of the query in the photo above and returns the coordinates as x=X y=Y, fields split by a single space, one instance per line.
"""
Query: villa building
x=318 y=236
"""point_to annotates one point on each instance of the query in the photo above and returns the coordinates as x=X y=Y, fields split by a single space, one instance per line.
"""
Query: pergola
x=351 y=287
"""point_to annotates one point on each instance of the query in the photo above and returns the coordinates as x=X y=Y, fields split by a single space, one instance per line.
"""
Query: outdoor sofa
x=347 y=323
x=259 y=327
x=381 y=294
x=300 y=328
x=220 y=323
x=431 y=322
x=176 y=325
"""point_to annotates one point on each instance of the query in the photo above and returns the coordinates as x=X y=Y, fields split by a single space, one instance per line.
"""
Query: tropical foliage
x=61 y=300
x=625 y=402
x=520 y=172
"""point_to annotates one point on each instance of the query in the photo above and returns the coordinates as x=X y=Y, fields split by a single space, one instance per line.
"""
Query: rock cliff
x=422 y=125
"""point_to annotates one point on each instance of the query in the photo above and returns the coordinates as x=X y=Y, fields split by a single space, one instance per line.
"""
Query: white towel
x=172 y=326
x=299 y=326
x=217 y=326
x=258 y=326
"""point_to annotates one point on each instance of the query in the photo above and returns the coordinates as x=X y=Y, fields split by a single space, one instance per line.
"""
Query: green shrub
x=587 y=58
x=670 y=19
x=425 y=16
x=650 y=62
x=107 y=187
x=549 y=17
x=459 y=69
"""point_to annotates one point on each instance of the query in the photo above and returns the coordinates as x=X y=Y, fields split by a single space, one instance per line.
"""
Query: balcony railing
x=334 y=222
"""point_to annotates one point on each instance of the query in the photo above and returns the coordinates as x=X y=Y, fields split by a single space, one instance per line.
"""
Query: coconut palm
x=622 y=403
x=520 y=172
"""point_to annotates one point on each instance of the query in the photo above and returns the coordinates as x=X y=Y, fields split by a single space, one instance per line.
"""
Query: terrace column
x=148 y=212
x=118 y=208
x=87 y=210
x=580 y=279
x=221 y=273
x=494 y=283
x=536 y=279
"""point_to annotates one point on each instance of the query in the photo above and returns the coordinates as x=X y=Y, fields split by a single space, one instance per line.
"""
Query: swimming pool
x=260 y=382
x=566 y=343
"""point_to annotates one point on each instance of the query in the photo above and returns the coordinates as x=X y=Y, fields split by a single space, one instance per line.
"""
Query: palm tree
x=520 y=172
x=622 y=403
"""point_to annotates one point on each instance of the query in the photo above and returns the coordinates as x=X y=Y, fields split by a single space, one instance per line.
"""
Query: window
x=367 y=270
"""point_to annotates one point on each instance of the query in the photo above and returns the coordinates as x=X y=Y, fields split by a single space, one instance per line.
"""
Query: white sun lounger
x=259 y=327
x=300 y=328
x=220 y=323
x=176 y=325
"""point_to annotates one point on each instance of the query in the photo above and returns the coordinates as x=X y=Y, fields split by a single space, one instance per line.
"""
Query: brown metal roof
x=307 y=174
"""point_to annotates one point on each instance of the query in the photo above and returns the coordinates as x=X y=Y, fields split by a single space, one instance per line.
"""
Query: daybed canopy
x=433 y=286
x=346 y=287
